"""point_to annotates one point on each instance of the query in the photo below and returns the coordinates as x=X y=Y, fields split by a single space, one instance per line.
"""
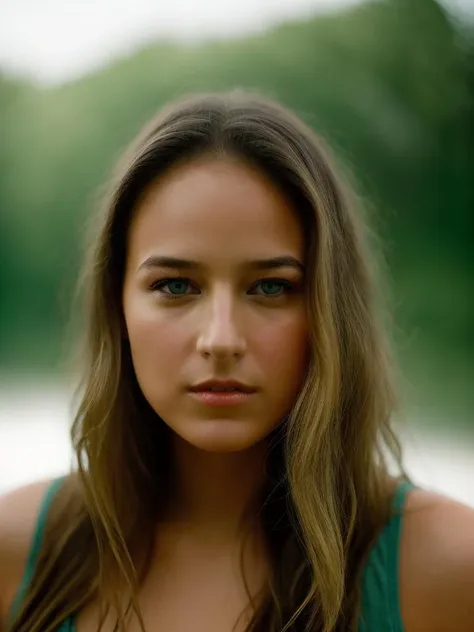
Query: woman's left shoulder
x=436 y=564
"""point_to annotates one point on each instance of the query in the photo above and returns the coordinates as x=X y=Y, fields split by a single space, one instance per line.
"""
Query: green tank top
x=380 y=608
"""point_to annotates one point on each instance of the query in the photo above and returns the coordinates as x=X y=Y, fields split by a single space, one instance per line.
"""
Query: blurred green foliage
x=389 y=84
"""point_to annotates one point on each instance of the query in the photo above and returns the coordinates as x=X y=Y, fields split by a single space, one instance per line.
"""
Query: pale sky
x=57 y=40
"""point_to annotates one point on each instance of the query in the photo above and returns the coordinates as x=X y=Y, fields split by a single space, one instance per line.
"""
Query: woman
x=234 y=425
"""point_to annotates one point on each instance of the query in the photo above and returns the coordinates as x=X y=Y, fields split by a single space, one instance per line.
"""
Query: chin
x=221 y=436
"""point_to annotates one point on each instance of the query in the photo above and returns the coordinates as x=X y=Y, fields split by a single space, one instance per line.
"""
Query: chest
x=202 y=596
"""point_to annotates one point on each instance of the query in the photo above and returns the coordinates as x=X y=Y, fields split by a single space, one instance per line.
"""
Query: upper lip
x=204 y=386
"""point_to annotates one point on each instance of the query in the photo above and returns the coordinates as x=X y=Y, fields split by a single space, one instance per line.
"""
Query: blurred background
x=390 y=85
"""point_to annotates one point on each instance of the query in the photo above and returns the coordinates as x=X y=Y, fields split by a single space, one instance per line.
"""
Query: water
x=34 y=444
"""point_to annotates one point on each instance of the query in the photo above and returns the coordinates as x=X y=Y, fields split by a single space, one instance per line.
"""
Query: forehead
x=216 y=210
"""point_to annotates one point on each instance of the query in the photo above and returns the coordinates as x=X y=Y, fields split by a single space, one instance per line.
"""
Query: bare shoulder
x=437 y=564
x=18 y=514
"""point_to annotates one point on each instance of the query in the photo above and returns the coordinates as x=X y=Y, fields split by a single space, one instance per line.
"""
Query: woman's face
x=224 y=311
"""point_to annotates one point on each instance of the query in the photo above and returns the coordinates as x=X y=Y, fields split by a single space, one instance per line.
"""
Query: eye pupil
x=271 y=287
x=177 y=287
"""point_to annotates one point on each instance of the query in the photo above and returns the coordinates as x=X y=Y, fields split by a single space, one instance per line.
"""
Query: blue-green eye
x=175 y=287
x=181 y=287
x=178 y=287
x=273 y=287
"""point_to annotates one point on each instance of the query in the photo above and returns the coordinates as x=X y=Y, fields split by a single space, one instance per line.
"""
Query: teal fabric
x=380 y=610
x=36 y=543
x=67 y=626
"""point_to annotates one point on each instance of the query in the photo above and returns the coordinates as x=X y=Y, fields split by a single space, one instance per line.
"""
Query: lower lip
x=215 y=398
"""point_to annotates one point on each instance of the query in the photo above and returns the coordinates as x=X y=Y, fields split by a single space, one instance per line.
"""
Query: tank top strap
x=400 y=496
x=36 y=543
x=380 y=587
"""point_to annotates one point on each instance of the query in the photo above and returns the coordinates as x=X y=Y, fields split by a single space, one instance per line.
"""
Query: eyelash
x=157 y=286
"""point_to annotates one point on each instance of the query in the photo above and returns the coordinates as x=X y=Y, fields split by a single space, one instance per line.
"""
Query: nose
x=220 y=336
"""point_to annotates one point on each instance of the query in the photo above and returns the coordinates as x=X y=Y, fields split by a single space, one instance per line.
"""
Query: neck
x=216 y=491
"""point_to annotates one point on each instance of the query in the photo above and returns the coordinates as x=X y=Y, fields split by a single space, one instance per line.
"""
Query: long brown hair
x=328 y=491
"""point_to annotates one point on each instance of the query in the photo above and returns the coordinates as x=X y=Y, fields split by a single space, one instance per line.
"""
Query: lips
x=221 y=399
x=222 y=386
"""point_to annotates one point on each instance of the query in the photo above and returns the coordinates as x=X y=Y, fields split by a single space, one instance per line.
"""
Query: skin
x=224 y=322
x=222 y=214
x=436 y=580
x=230 y=320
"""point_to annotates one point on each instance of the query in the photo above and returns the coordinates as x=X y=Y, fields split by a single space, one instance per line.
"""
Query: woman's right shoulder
x=19 y=510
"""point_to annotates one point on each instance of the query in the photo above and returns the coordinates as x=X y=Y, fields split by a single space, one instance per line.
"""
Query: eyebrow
x=284 y=261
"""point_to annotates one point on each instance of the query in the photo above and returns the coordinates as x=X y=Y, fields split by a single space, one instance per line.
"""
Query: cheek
x=283 y=351
x=157 y=342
